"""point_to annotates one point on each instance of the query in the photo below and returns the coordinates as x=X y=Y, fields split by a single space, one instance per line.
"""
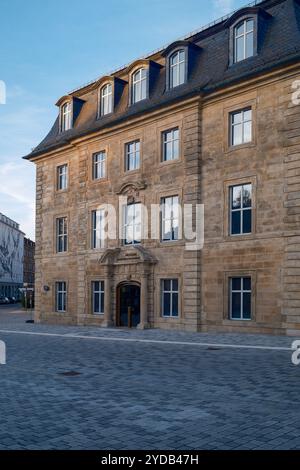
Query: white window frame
x=99 y=165
x=62 y=177
x=174 y=221
x=66 y=117
x=168 y=137
x=133 y=155
x=62 y=236
x=101 y=294
x=134 y=224
x=139 y=79
x=98 y=232
x=244 y=121
x=241 y=209
x=241 y=291
x=61 y=290
x=172 y=292
x=244 y=36
x=106 y=99
x=177 y=67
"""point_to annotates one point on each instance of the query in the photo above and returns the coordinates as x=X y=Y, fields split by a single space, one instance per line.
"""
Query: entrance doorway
x=129 y=305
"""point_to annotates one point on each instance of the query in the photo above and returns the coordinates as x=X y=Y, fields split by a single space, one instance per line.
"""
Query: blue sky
x=50 y=47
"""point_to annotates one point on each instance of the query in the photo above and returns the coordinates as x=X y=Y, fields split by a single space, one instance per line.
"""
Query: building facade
x=29 y=264
x=11 y=257
x=212 y=119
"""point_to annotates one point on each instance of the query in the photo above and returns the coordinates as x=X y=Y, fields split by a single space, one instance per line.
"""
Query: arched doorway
x=128 y=305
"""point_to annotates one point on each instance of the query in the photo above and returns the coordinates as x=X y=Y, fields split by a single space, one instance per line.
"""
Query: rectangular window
x=61 y=235
x=62 y=177
x=241 y=127
x=132 y=155
x=98 y=229
x=241 y=209
x=240 y=298
x=99 y=165
x=132 y=226
x=98 y=297
x=170 y=297
x=61 y=296
x=170 y=142
x=170 y=218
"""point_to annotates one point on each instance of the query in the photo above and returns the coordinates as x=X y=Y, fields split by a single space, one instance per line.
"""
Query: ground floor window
x=169 y=298
x=240 y=298
x=61 y=297
x=98 y=297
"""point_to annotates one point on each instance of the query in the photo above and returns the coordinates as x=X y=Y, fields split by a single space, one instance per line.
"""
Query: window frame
x=128 y=153
x=171 y=292
x=163 y=219
x=101 y=294
x=164 y=143
x=240 y=291
x=94 y=229
x=126 y=225
x=244 y=121
x=141 y=81
x=64 y=294
x=109 y=96
x=242 y=209
x=243 y=35
x=171 y=67
x=102 y=163
x=66 y=118
x=62 y=176
x=247 y=16
x=64 y=236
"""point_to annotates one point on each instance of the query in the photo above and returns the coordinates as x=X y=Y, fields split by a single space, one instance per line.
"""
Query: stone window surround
x=132 y=136
x=158 y=296
x=91 y=280
x=54 y=237
x=226 y=207
x=175 y=191
x=226 y=295
x=176 y=123
x=56 y=167
x=54 y=299
x=228 y=110
x=96 y=148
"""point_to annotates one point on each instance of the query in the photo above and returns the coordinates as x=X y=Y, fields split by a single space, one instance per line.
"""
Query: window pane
x=240 y=29
x=96 y=303
x=168 y=151
x=175 y=305
x=240 y=49
x=237 y=118
x=182 y=73
x=237 y=134
x=247 y=195
x=175 y=284
x=250 y=25
x=247 y=115
x=236 y=306
x=236 y=283
x=167 y=304
x=236 y=197
x=167 y=285
x=236 y=223
x=176 y=149
x=247 y=131
x=247 y=283
x=247 y=306
x=247 y=221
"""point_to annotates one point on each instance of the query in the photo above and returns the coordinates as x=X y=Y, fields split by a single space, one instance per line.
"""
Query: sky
x=50 y=47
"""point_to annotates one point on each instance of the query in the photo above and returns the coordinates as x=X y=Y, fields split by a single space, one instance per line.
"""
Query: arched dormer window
x=243 y=40
x=139 y=85
x=106 y=100
x=177 y=68
x=66 y=116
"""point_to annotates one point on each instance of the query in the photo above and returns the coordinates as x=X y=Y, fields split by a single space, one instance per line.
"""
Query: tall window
x=170 y=142
x=99 y=165
x=62 y=177
x=241 y=127
x=61 y=235
x=98 y=297
x=240 y=298
x=241 y=209
x=106 y=99
x=139 y=85
x=170 y=298
x=244 y=40
x=132 y=155
x=170 y=218
x=61 y=297
x=98 y=229
x=66 y=117
x=177 y=68
x=132 y=224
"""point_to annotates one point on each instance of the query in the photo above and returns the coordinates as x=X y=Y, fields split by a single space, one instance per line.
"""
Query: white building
x=11 y=257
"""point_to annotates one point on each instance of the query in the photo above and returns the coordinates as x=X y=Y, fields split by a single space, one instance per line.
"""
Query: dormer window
x=106 y=99
x=177 y=68
x=139 y=85
x=244 y=40
x=66 y=116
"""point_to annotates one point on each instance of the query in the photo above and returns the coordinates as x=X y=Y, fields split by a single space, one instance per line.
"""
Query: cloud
x=223 y=7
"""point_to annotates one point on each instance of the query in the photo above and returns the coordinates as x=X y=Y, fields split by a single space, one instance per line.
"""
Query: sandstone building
x=211 y=119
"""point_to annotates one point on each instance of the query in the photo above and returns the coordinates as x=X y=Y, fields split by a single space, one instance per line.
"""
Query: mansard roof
x=211 y=70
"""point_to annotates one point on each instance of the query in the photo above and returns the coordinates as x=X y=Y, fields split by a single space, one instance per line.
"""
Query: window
x=170 y=303
x=170 y=218
x=132 y=156
x=99 y=165
x=244 y=40
x=66 y=117
x=241 y=127
x=177 y=68
x=132 y=224
x=240 y=298
x=61 y=235
x=98 y=297
x=170 y=145
x=139 y=86
x=241 y=209
x=98 y=229
x=61 y=296
x=62 y=177
x=106 y=99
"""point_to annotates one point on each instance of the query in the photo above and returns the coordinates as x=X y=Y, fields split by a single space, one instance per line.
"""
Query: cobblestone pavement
x=145 y=390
